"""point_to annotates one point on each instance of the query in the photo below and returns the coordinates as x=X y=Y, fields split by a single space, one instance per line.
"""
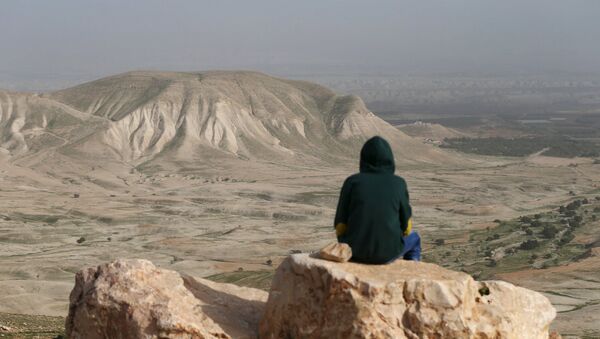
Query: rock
x=313 y=298
x=135 y=299
x=5 y=328
x=336 y=251
x=555 y=335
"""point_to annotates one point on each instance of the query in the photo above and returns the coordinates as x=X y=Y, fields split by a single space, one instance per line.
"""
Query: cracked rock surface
x=313 y=298
x=135 y=299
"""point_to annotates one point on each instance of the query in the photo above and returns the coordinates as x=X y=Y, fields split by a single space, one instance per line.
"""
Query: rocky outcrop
x=310 y=298
x=313 y=298
x=135 y=299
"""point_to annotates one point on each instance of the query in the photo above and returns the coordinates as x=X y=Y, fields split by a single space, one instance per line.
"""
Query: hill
x=139 y=117
x=429 y=131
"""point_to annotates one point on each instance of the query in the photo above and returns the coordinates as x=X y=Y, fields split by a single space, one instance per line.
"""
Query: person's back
x=373 y=214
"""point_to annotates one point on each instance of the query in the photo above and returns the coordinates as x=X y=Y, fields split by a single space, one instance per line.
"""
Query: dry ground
x=245 y=219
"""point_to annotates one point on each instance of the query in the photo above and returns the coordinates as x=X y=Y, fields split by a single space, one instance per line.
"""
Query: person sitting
x=373 y=215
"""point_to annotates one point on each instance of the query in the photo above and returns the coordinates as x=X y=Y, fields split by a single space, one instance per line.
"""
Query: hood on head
x=376 y=156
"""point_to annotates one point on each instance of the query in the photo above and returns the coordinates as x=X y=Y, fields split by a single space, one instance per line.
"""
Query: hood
x=376 y=156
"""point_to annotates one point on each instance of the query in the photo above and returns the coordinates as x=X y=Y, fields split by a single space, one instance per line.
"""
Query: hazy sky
x=78 y=38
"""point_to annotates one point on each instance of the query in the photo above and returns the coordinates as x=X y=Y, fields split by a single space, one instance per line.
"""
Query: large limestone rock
x=135 y=299
x=313 y=298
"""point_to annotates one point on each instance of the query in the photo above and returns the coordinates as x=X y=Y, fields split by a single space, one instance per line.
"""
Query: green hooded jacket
x=373 y=212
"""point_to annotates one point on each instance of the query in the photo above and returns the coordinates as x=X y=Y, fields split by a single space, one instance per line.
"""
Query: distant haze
x=48 y=44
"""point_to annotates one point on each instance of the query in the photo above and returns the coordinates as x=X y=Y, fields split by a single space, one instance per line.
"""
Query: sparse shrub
x=81 y=240
x=547 y=255
x=585 y=201
x=529 y=244
x=51 y=220
x=536 y=223
x=578 y=218
x=492 y=263
x=574 y=205
x=439 y=242
x=496 y=236
x=525 y=219
x=567 y=238
x=549 y=231
x=529 y=231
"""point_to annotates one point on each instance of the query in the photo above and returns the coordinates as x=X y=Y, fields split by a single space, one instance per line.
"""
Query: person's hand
x=408 y=228
x=340 y=229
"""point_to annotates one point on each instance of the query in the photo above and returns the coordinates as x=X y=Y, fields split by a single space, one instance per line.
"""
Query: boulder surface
x=135 y=299
x=313 y=298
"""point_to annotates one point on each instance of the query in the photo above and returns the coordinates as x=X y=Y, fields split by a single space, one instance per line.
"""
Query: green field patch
x=32 y=326
x=255 y=279
x=555 y=146
x=536 y=241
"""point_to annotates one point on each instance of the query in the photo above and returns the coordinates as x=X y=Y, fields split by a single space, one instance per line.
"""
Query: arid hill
x=139 y=117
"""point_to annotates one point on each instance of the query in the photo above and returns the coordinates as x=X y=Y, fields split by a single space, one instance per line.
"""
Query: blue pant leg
x=412 y=247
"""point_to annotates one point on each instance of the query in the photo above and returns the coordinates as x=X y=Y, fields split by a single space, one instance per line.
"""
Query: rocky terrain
x=176 y=168
x=310 y=298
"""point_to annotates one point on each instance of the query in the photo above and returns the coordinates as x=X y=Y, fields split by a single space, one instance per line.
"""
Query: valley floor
x=237 y=223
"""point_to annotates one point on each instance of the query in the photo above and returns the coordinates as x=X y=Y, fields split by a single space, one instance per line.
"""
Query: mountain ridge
x=139 y=116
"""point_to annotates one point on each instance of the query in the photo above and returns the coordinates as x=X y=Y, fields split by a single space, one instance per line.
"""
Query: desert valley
x=224 y=174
